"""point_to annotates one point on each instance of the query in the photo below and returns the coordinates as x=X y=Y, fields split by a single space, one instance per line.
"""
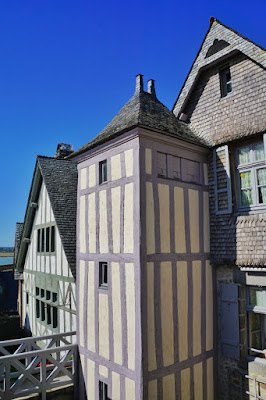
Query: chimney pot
x=139 y=83
x=151 y=87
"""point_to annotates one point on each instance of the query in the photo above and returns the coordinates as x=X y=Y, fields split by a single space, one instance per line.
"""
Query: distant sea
x=6 y=260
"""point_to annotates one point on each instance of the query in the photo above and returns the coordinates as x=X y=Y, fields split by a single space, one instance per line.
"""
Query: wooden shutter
x=229 y=320
x=222 y=180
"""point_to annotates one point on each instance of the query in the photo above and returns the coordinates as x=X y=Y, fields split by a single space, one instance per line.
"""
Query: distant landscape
x=6 y=251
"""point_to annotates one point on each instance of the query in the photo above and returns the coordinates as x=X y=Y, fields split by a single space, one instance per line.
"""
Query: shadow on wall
x=8 y=292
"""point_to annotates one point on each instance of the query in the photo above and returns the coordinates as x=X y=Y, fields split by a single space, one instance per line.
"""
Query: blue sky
x=67 y=67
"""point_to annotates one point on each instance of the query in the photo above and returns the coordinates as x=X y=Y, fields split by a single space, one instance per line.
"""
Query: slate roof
x=61 y=179
x=144 y=110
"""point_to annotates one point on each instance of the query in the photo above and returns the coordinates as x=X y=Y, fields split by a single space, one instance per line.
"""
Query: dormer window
x=225 y=81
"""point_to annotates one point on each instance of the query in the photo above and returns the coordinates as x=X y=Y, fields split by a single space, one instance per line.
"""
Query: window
x=251 y=174
x=256 y=307
x=103 y=171
x=162 y=164
x=27 y=298
x=173 y=167
x=103 y=275
x=225 y=81
x=46 y=240
x=103 y=389
x=47 y=306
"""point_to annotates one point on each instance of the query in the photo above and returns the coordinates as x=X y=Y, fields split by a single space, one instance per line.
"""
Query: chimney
x=139 y=83
x=63 y=150
x=151 y=87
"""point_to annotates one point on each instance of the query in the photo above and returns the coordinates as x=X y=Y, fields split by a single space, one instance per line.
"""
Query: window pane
x=245 y=179
x=52 y=239
x=37 y=308
x=49 y=319
x=47 y=240
x=256 y=340
x=261 y=174
x=161 y=164
x=42 y=311
x=244 y=155
x=254 y=321
x=256 y=297
x=246 y=197
x=55 y=318
x=261 y=178
x=42 y=292
x=54 y=297
x=103 y=171
x=259 y=151
x=262 y=195
x=39 y=241
x=42 y=247
x=48 y=294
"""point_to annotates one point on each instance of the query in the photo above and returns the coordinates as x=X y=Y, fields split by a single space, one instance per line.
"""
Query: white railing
x=257 y=388
x=37 y=365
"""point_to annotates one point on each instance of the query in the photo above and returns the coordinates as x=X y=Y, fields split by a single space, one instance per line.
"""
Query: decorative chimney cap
x=63 y=150
x=151 y=87
x=139 y=83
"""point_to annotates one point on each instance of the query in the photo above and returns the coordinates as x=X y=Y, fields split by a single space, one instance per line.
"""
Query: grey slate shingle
x=144 y=110
x=61 y=180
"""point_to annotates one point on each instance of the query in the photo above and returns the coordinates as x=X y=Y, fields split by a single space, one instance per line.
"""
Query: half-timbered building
x=45 y=262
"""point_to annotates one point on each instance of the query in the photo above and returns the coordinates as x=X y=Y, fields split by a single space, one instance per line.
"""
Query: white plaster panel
x=92 y=175
x=129 y=218
x=129 y=162
x=116 y=206
x=103 y=232
x=116 y=167
x=92 y=223
x=83 y=178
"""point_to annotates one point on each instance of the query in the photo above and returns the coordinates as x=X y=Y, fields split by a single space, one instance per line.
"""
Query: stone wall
x=239 y=114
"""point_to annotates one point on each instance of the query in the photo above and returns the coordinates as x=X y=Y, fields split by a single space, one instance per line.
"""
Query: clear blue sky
x=67 y=67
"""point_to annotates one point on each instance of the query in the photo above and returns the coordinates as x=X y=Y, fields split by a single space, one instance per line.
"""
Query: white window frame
x=251 y=166
x=260 y=310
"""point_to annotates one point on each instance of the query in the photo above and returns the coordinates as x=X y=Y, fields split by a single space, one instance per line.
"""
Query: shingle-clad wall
x=177 y=279
x=218 y=31
x=239 y=114
x=229 y=233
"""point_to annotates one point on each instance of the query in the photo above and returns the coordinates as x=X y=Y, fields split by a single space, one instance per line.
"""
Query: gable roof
x=144 y=110
x=60 y=179
x=220 y=41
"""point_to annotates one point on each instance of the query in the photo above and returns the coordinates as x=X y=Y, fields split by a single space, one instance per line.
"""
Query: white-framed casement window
x=256 y=309
x=225 y=81
x=46 y=303
x=251 y=174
